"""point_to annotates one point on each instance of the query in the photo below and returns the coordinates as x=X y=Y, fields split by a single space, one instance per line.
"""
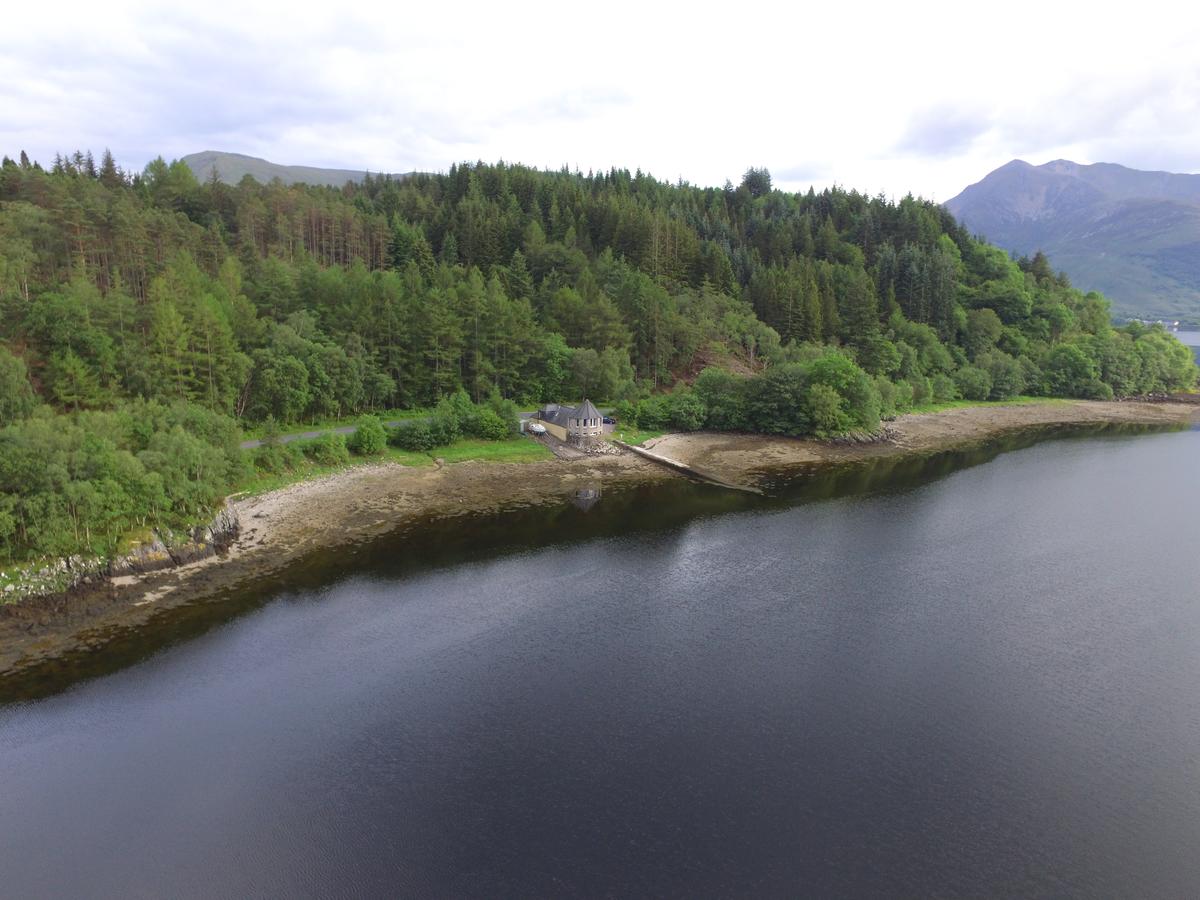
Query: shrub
x=853 y=385
x=626 y=412
x=276 y=458
x=487 y=424
x=887 y=397
x=653 y=413
x=327 y=450
x=724 y=396
x=944 y=388
x=413 y=436
x=973 y=382
x=922 y=390
x=369 y=439
x=686 y=411
x=457 y=411
x=1007 y=378
x=444 y=429
x=825 y=411
x=507 y=410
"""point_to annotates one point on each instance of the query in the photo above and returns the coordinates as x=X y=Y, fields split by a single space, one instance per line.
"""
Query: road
x=343 y=429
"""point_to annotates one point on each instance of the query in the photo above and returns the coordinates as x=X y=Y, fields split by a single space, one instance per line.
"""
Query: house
x=578 y=424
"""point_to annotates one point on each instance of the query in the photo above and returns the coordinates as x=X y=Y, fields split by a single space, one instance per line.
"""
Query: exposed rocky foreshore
x=74 y=605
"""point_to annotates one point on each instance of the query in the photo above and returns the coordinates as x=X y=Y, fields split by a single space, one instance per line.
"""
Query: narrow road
x=341 y=429
x=309 y=435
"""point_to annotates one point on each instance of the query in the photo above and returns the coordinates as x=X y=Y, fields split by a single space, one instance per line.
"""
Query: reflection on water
x=586 y=497
x=434 y=543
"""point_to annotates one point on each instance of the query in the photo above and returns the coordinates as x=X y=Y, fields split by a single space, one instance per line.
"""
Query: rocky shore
x=261 y=535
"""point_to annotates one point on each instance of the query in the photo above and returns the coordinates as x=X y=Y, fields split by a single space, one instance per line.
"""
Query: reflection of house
x=579 y=424
x=586 y=497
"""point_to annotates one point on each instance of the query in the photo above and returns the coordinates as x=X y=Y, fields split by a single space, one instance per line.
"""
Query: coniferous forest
x=144 y=318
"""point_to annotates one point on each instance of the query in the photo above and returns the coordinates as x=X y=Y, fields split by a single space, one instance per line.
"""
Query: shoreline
x=281 y=528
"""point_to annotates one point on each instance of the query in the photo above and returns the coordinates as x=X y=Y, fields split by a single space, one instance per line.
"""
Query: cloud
x=801 y=175
x=942 y=131
x=834 y=97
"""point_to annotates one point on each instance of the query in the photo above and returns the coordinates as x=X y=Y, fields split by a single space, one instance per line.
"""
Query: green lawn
x=963 y=404
x=635 y=436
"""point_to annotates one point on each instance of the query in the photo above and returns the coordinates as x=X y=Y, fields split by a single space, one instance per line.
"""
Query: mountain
x=232 y=167
x=1133 y=235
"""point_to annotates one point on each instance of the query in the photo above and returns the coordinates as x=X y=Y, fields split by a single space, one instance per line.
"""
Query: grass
x=964 y=404
x=633 y=435
x=514 y=450
x=387 y=415
x=464 y=450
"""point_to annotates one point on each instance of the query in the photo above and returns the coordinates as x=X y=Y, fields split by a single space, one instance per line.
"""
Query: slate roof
x=558 y=415
x=585 y=410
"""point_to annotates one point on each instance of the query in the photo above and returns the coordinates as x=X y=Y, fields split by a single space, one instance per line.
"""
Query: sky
x=894 y=98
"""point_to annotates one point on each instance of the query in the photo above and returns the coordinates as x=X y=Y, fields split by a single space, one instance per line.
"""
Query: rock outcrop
x=165 y=550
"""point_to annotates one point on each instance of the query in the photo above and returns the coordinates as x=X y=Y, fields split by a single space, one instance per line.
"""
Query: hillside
x=1132 y=235
x=144 y=318
x=233 y=167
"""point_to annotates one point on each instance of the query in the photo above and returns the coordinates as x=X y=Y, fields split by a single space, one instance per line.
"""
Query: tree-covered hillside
x=298 y=303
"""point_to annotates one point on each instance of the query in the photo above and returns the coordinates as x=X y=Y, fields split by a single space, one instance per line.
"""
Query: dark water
x=973 y=676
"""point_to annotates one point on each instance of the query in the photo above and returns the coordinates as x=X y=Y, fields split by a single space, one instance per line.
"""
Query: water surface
x=970 y=676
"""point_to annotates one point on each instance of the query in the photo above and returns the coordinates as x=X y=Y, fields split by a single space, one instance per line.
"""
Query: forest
x=146 y=316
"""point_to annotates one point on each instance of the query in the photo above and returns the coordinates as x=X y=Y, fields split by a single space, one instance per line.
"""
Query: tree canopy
x=806 y=313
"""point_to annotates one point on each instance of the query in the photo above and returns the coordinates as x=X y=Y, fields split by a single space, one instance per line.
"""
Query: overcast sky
x=895 y=98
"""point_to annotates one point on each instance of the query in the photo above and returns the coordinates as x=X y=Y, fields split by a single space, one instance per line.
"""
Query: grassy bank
x=514 y=450
x=968 y=404
x=633 y=435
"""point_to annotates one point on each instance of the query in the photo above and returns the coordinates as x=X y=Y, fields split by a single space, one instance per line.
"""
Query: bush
x=626 y=412
x=369 y=439
x=1007 y=378
x=944 y=388
x=274 y=459
x=973 y=382
x=887 y=397
x=653 y=413
x=853 y=385
x=825 y=412
x=686 y=411
x=922 y=390
x=444 y=429
x=724 y=396
x=488 y=425
x=457 y=412
x=415 y=437
x=507 y=410
x=327 y=450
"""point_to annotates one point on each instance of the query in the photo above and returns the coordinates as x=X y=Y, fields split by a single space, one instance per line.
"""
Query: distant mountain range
x=232 y=167
x=1133 y=235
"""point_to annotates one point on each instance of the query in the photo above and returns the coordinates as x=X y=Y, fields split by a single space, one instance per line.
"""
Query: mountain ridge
x=232 y=167
x=1132 y=234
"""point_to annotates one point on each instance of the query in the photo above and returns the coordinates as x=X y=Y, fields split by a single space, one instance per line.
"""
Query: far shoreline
x=281 y=528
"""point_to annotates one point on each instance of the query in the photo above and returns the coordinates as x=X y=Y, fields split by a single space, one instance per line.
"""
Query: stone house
x=579 y=424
